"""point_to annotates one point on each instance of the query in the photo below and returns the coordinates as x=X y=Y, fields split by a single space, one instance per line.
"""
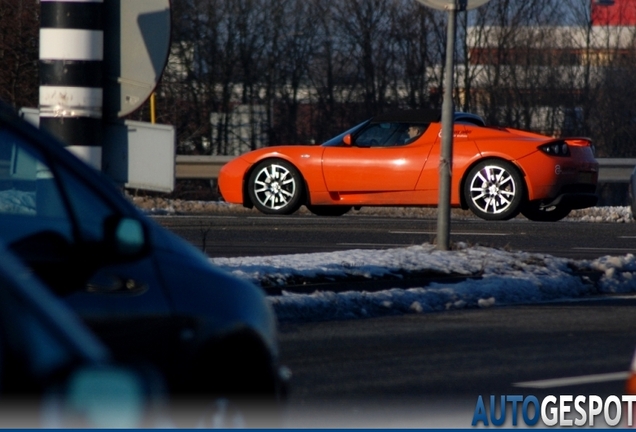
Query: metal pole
x=446 y=154
x=71 y=57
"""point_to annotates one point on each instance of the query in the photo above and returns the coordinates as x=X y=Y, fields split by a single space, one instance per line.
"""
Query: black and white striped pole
x=71 y=75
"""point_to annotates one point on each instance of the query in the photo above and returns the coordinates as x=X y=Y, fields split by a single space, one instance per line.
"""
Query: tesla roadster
x=393 y=159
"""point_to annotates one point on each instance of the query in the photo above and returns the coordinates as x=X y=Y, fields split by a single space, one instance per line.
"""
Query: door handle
x=113 y=284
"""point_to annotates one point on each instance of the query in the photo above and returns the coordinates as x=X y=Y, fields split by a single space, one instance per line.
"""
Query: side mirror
x=126 y=237
x=347 y=140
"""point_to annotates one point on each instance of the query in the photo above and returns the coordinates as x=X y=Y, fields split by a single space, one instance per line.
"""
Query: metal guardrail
x=200 y=167
x=615 y=170
x=612 y=170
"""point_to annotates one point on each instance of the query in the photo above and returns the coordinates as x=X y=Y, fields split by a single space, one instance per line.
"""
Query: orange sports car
x=392 y=160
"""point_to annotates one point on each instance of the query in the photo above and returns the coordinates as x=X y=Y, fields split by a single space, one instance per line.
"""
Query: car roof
x=474 y=119
x=425 y=116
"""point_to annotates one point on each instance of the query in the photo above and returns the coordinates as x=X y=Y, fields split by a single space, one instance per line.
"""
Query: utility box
x=135 y=155
x=140 y=155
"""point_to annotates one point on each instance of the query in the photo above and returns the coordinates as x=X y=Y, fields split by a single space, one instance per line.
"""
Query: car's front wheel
x=494 y=190
x=275 y=187
x=536 y=213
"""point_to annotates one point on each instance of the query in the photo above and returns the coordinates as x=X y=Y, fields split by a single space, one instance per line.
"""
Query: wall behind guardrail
x=612 y=170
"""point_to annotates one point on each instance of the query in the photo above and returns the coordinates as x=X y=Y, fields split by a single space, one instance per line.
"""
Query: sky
x=495 y=277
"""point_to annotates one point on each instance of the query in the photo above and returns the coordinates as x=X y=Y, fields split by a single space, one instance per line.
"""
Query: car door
x=464 y=151
x=56 y=221
x=377 y=161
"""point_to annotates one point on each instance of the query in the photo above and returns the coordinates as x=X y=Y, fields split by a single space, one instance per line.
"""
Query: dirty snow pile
x=494 y=277
x=621 y=214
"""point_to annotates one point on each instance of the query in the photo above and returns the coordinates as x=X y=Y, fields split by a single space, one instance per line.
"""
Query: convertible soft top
x=417 y=116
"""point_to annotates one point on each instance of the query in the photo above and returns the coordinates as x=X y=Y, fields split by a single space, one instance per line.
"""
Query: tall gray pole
x=446 y=156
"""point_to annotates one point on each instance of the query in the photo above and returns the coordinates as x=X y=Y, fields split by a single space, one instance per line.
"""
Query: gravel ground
x=160 y=206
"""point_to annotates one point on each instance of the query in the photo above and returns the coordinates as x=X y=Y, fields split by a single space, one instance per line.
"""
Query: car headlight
x=559 y=148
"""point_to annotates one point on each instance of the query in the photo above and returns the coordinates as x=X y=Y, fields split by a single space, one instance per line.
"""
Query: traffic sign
x=459 y=5
x=136 y=48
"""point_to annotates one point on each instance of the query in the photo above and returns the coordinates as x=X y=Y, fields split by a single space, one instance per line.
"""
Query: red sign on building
x=614 y=12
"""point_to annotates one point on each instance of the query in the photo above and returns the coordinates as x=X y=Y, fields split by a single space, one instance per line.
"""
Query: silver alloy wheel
x=274 y=186
x=492 y=189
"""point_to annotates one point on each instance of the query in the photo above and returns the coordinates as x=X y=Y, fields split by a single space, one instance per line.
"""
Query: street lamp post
x=446 y=154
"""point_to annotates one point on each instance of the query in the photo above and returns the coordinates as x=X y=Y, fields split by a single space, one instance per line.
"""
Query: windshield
x=337 y=140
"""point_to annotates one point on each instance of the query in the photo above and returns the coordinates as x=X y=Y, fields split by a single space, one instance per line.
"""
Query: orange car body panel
x=358 y=171
x=230 y=180
x=549 y=174
x=409 y=174
x=308 y=160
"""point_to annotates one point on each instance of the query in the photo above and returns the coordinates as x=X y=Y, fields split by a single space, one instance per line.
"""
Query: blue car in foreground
x=55 y=373
x=148 y=294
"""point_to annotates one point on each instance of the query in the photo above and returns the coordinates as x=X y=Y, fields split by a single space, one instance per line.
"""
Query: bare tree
x=312 y=68
x=416 y=46
x=291 y=47
x=19 y=41
x=366 y=30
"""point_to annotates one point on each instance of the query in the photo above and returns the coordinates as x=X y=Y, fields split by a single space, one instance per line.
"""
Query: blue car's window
x=30 y=200
x=91 y=211
x=36 y=197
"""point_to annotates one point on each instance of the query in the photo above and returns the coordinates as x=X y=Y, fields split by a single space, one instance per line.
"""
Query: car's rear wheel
x=535 y=213
x=494 y=190
x=275 y=187
x=327 y=210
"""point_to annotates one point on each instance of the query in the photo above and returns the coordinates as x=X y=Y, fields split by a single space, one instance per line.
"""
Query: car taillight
x=558 y=148
x=630 y=384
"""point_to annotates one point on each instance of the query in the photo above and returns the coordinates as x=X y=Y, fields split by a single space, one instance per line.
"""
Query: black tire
x=328 y=210
x=494 y=190
x=275 y=187
x=533 y=212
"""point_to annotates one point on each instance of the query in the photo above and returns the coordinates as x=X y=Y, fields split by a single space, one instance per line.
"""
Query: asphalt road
x=250 y=235
x=428 y=370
